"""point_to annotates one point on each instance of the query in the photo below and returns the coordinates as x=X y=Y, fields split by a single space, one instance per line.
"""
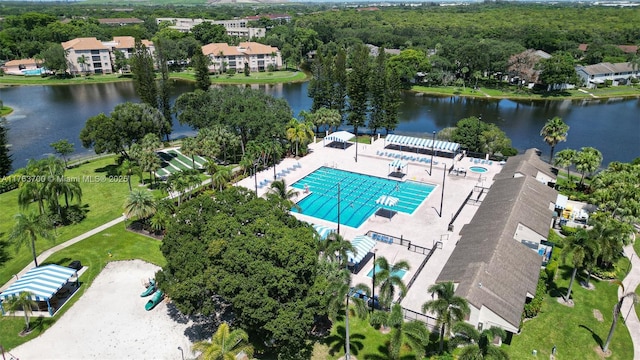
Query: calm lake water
x=44 y=114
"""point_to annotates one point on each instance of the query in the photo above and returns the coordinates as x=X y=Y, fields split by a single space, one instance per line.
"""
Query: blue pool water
x=358 y=195
x=400 y=273
x=478 y=169
x=32 y=72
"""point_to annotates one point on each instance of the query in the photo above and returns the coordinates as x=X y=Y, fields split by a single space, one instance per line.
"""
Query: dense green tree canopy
x=249 y=253
x=5 y=156
x=127 y=124
x=252 y=114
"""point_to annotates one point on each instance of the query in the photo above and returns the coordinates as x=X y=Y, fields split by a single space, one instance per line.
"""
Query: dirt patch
x=598 y=315
x=566 y=303
x=601 y=353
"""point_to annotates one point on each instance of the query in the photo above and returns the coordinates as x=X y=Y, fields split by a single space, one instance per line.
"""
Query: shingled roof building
x=496 y=263
x=528 y=164
x=259 y=57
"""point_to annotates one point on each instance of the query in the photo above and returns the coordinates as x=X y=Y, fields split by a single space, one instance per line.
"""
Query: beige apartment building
x=92 y=56
x=260 y=57
x=234 y=27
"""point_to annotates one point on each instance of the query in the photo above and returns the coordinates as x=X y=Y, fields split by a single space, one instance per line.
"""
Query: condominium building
x=259 y=56
x=234 y=27
x=92 y=56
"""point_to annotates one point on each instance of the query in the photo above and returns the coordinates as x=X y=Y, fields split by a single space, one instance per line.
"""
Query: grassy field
x=573 y=330
x=5 y=110
x=618 y=91
x=275 y=77
x=94 y=253
x=37 y=80
x=102 y=198
x=366 y=342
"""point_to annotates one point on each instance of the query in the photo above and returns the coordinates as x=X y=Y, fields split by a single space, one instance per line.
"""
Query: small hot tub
x=478 y=169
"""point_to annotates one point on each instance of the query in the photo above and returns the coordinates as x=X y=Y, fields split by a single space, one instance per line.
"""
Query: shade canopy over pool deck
x=338 y=136
x=323 y=231
x=421 y=143
x=362 y=245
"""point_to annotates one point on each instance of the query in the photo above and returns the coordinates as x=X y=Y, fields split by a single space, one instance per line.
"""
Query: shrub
x=532 y=308
x=568 y=230
x=8 y=183
x=551 y=270
x=606 y=274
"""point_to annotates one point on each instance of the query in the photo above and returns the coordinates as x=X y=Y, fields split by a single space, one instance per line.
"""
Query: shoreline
x=587 y=96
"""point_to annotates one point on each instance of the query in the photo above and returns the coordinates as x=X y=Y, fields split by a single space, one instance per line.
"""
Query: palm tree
x=565 y=158
x=580 y=246
x=479 y=343
x=225 y=344
x=414 y=334
x=128 y=168
x=616 y=313
x=588 y=160
x=28 y=228
x=22 y=302
x=140 y=204
x=189 y=148
x=298 y=132
x=387 y=279
x=337 y=280
x=554 y=131
x=82 y=61
x=335 y=248
x=164 y=212
x=448 y=307
x=278 y=191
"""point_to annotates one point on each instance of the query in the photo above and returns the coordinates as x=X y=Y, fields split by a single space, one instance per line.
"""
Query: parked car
x=359 y=294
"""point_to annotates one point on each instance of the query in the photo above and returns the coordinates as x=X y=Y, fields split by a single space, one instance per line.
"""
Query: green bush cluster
x=606 y=274
x=532 y=308
x=568 y=230
x=551 y=270
x=8 y=183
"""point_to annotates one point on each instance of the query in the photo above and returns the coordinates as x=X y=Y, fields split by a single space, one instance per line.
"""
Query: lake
x=44 y=114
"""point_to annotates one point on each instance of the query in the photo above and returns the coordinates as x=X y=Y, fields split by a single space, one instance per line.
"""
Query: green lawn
x=274 y=77
x=573 y=330
x=366 y=342
x=38 y=80
x=94 y=253
x=104 y=199
x=5 y=110
x=509 y=93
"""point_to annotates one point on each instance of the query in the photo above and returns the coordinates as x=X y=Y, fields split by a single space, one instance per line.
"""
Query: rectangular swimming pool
x=358 y=195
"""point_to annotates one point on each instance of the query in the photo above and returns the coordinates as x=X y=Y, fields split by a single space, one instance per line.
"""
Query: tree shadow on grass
x=384 y=350
x=337 y=341
x=41 y=323
x=594 y=335
x=4 y=254
x=111 y=170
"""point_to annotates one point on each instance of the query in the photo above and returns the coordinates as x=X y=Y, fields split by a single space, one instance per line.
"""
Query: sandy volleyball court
x=110 y=322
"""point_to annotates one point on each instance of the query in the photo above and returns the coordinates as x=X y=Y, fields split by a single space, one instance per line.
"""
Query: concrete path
x=42 y=257
x=630 y=283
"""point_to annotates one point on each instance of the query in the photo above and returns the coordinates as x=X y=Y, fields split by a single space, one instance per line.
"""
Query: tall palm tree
x=22 y=302
x=335 y=248
x=479 y=343
x=140 y=204
x=388 y=280
x=28 y=228
x=225 y=344
x=189 y=148
x=83 y=61
x=554 y=131
x=448 y=307
x=299 y=133
x=278 y=190
x=128 y=168
x=588 y=160
x=580 y=246
x=565 y=158
x=616 y=313
x=413 y=333
x=164 y=212
x=337 y=279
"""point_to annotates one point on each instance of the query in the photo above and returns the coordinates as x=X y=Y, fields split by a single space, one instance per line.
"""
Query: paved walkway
x=42 y=257
x=630 y=283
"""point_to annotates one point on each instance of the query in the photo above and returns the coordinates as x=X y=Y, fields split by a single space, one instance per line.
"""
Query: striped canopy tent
x=397 y=165
x=42 y=282
x=386 y=201
x=421 y=143
x=323 y=231
x=338 y=136
x=362 y=245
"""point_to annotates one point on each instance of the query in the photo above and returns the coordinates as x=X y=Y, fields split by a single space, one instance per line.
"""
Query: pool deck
x=425 y=227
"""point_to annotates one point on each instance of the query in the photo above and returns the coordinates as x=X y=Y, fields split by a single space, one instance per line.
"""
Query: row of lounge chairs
x=382 y=238
x=280 y=174
x=480 y=161
x=393 y=155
